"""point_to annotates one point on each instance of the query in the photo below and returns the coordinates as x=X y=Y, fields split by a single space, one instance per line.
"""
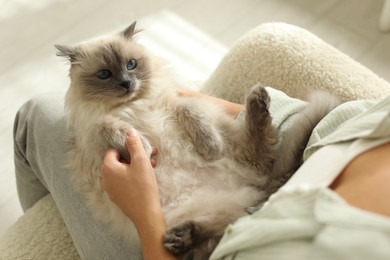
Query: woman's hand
x=133 y=187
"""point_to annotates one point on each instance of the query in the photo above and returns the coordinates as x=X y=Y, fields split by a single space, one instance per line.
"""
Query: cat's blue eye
x=104 y=74
x=132 y=64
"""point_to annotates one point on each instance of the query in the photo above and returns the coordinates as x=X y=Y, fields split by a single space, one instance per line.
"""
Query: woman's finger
x=112 y=156
x=135 y=146
x=111 y=161
x=153 y=163
x=154 y=151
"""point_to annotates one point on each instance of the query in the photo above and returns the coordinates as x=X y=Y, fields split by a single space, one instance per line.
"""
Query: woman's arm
x=133 y=187
x=231 y=108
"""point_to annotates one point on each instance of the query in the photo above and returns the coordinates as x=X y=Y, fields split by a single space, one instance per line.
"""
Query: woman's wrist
x=151 y=230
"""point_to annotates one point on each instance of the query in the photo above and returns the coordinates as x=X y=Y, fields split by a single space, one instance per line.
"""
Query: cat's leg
x=257 y=143
x=204 y=135
x=113 y=131
x=199 y=236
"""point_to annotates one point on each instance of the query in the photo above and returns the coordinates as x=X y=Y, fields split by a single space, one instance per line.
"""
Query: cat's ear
x=130 y=31
x=67 y=52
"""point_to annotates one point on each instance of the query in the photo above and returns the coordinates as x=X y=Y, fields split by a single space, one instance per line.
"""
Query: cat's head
x=112 y=69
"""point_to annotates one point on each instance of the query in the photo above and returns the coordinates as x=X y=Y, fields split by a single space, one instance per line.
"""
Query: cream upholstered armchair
x=384 y=21
x=279 y=55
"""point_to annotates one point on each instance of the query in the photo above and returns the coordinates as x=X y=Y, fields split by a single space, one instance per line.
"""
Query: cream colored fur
x=189 y=186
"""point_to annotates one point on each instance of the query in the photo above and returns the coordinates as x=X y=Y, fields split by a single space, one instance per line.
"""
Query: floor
x=29 y=29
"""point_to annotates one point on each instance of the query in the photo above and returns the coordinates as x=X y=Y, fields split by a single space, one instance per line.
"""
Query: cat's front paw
x=148 y=148
x=206 y=137
x=180 y=239
x=210 y=147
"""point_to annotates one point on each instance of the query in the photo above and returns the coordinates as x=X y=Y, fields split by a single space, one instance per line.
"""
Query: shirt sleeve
x=350 y=121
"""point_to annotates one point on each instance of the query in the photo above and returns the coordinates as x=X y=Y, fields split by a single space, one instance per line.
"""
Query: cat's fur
x=210 y=168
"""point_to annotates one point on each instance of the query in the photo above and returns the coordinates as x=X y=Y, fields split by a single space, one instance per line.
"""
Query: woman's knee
x=271 y=54
x=47 y=107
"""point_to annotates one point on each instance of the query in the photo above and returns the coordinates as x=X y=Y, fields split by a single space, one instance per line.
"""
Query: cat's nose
x=126 y=84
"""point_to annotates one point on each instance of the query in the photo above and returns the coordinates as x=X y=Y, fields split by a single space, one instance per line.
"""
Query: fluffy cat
x=210 y=168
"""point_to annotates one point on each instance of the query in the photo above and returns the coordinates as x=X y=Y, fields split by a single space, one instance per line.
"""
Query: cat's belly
x=193 y=190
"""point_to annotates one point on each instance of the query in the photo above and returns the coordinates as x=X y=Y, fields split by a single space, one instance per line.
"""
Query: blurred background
x=193 y=35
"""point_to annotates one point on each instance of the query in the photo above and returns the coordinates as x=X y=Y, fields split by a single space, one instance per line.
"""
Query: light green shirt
x=305 y=219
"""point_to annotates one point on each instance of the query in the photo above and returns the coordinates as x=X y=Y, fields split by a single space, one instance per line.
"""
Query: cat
x=211 y=169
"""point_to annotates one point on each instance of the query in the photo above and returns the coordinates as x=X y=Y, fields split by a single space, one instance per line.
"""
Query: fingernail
x=131 y=132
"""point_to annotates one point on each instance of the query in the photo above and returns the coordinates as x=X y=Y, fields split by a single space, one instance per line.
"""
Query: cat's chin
x=130 y=93
x=124 y=98
x=126 y=93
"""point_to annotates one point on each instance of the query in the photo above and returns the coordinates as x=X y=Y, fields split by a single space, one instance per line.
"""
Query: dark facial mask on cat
x=113 y=66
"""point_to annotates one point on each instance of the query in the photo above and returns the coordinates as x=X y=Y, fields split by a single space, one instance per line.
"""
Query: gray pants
x=40 y=158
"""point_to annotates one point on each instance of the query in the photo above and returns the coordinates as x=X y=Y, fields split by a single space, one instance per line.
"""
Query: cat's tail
x=295 y=137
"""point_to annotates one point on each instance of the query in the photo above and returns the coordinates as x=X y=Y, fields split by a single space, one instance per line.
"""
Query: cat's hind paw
x=257 y=105
x=179 y=239
x=258 y=99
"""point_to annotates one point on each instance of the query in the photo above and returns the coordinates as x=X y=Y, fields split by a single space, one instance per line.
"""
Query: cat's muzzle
x=126 y=84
